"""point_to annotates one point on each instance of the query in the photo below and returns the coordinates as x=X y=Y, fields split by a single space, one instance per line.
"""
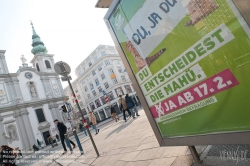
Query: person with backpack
x=63 y=130
x=123 y=107
x=82 y=128
x=131 y=106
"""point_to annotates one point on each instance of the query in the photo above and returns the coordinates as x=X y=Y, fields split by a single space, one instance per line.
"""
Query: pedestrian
x=131 y=106
x=82 y=128
x=63 y=130
x=39 y=144
x=123 y=107
x=113 y=112
x=57 y=137
x=8 y=156
x=93 y=122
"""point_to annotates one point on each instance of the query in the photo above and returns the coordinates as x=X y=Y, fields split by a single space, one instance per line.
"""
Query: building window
x=37 y=67
x=92 y=106
x=123 y=78
x=81 y=104
x=106 y=85
x=111 y=96
x=98 y=103
x=40 y=115
x=103 y=100
x=93 y=72
x=95 y=58
x=120 y=70
x=103 y=76
x=88 y=95
x=90 y=64
x=47 y=64
x=91 y=86
x=107 y=62
x=111 y=71
x=94 y=93
x=100 y=89
x=96 y=82
x=128 y=88
x=114 y=80
x=86 y=89
x=100 y=68
x=78 y=97
x=103 y=53
x=119 y=91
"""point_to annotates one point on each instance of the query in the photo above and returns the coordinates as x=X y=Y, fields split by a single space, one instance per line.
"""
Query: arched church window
x=37 y=67
x=47 y=63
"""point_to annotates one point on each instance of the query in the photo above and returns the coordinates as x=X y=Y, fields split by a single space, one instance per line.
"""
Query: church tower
x=42 y=61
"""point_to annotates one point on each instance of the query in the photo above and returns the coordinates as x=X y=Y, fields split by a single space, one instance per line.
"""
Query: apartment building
x=101 y=71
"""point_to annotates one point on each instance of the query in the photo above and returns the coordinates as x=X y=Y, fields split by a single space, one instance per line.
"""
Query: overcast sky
x=70 y=30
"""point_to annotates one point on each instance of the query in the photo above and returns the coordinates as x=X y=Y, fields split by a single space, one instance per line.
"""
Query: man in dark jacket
x=62 y=130
x=131 y=106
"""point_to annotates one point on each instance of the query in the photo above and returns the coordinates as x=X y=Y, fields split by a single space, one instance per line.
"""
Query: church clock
x=28 y=75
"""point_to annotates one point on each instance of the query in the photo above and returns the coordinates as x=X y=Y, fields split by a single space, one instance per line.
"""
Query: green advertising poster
x=191 y=59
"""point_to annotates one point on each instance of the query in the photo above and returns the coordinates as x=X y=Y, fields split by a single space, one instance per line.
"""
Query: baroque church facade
x=30 y=99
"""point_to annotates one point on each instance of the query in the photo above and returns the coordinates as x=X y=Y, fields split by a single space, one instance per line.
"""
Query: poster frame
x=208 y=139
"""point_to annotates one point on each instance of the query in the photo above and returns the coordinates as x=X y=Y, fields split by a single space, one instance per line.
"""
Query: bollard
x=78 y=142
x=67 y=142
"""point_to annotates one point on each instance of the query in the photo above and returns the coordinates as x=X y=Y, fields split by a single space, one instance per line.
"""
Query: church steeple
x=37 y=44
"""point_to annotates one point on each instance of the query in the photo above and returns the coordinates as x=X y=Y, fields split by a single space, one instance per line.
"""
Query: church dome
x=37 y=44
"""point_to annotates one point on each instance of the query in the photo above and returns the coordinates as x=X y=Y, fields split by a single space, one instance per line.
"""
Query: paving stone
x=130 y=156
x=163 y=162
x=183 y=161
x=148 y=146
x=139 y=163
x=175 y=151
x=146 y=154
x=129 y=149
x=149 y=139
x=97 y=160
x=119 y=163
x=112 y=159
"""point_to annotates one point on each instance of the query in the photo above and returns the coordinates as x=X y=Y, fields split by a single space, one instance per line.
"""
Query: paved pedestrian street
x=130 y=143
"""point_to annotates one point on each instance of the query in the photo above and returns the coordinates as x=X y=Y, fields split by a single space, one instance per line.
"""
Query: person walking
x=93 y=122
x=57 y=137
x=82 y=128
x=63 y=130
x=39 y=144
x=113 y=112
x=131 y=106
x=123 y=107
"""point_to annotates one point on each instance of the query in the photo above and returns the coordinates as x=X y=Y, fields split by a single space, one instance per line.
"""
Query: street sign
x=59 y=68
x=65 y=78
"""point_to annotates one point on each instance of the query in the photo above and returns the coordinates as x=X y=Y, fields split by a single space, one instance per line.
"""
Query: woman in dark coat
x=113 y=112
